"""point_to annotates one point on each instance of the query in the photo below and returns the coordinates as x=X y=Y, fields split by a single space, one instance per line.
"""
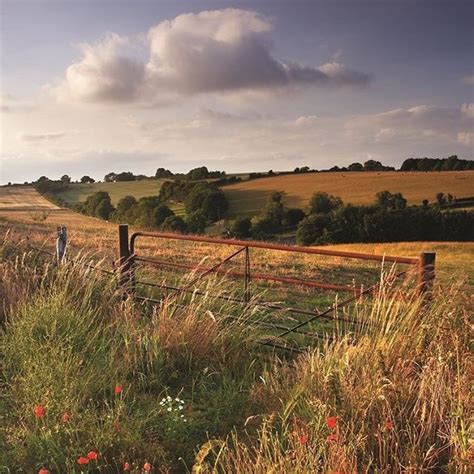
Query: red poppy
x=147 y=467
x=332 y=438
x=39 y=411
x=303 y=439
x=331 y=422
x=66 y=417
x=118 y=389
x=126 y=466
x=388 y=425
x=92 y=455
x=82 y=460
x=43 y=471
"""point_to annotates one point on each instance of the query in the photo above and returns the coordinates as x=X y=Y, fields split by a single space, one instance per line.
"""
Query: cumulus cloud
x=103 y=73
x=209 y=52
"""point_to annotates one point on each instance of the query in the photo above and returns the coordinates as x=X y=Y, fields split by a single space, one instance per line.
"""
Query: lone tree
x=87 y=179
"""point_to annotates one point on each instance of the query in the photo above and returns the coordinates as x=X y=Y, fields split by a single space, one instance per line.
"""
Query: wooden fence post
x=426 y=274
x=125 y=261
x=61 y=243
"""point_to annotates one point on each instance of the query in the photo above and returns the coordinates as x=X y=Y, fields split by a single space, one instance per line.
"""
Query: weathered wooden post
x=61 y=243
x=426 y=274
x=125 y=262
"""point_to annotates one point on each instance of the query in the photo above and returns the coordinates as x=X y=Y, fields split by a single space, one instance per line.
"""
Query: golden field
x=249 y=197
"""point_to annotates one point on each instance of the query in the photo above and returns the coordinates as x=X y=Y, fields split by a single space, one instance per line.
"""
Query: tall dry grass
x=401 y=396
x=392 y=395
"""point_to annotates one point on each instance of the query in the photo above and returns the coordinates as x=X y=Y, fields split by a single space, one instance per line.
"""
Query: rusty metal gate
x=129 y=258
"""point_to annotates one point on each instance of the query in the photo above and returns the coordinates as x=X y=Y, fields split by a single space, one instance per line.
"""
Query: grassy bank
x=178 y=385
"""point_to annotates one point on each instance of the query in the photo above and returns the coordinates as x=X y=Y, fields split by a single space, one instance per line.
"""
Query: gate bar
x=267 y=246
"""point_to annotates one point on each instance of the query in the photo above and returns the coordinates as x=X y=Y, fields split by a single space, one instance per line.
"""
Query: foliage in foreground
x=87 y=373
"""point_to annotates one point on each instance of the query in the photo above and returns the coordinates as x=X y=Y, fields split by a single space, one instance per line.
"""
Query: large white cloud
x=209 y=52
x=103 y=73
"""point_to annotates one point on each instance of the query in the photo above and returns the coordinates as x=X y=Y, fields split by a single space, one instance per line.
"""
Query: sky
x=93 y=86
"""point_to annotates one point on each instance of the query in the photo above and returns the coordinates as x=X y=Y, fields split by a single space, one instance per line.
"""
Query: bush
x=174 y=224
x=241 y=227
x=196 y=222
x=293 y=217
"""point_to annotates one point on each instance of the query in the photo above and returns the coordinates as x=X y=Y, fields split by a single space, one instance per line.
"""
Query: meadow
x=249 y=197
x=78 y=193
x=93 y=382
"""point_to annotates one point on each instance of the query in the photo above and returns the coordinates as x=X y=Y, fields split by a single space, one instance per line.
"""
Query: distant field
x=248 y=198
x=79 y=192
x=23 y=198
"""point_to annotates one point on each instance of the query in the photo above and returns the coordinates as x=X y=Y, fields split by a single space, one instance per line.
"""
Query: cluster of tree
x=148 y=212
x=275 y=218
x=452 y=163
x=152 y=212
x=202 y=172
x=388 y=220
x=98 y=205
x=49 y=187
x=369 y=165
x=198 y=197
x=204 y=203
x=123 y=176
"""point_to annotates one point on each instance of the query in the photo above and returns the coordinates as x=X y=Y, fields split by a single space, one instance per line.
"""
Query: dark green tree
x=324 y=203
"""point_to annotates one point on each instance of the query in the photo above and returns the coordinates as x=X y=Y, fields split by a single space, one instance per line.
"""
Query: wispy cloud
x=41 y=137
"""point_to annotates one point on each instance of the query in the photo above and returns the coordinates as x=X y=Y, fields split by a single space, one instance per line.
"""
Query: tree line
x=330 y=221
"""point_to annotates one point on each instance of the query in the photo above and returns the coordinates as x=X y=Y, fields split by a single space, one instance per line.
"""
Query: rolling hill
x=249 y=197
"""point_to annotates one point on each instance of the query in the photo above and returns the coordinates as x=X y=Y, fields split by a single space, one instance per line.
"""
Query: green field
x=249 y=197
x=79 y=192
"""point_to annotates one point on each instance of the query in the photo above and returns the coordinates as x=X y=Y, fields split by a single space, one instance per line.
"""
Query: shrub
x=174 y=224
x=241 y=227
x=196 y=222
x=293 y=216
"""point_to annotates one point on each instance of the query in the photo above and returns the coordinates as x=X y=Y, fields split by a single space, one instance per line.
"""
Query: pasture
x=78 y=193
x=249 y=197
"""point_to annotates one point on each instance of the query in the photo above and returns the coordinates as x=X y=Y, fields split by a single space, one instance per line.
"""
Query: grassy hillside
x=248 y=198
x=114 y=385
x=79 y=192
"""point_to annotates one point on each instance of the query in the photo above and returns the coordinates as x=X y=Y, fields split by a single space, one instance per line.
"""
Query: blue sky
x=245 y=86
